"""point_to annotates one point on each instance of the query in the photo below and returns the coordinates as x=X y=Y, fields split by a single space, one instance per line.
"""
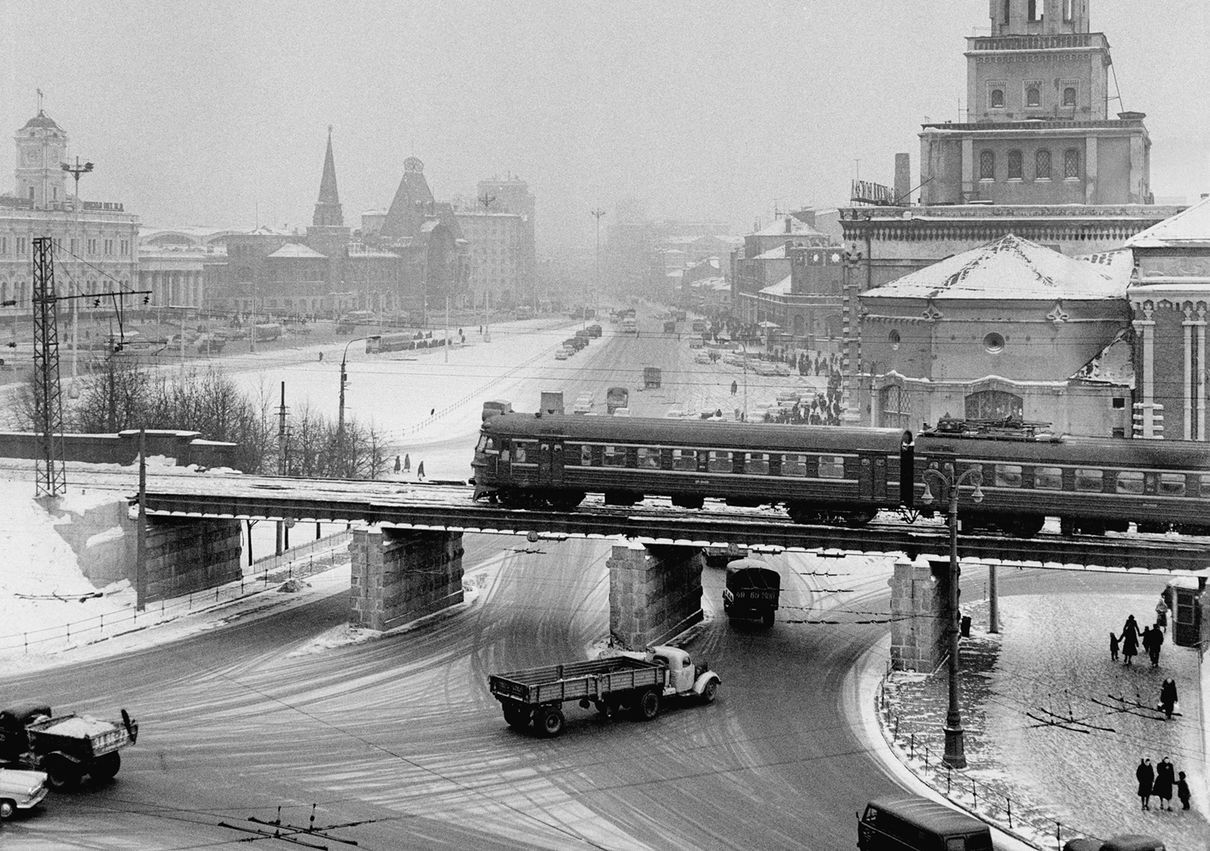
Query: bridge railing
x=299 y=563
x=917 y=738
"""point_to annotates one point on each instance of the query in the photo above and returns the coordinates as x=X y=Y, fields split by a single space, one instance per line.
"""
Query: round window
x=994 y=343
x=893 y=337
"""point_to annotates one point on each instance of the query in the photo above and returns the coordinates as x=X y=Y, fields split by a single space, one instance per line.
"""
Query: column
x=919 y=614
x=1146 y=330
x=1200 y=371
x=655 y=593
x=399 y=575
x=1187 y=382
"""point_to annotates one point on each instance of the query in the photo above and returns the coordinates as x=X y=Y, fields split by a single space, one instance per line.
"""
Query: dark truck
x=637 y=684
x=752 y=591
x=67 y=748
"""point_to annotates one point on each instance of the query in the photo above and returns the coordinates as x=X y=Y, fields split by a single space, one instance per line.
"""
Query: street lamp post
x=596 y=274
x=340 y=417
x=948 y=479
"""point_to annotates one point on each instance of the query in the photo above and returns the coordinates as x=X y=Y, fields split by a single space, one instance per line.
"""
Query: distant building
x=511 y=195
x=499 y=257
x=95 y=242
x=1006 y=329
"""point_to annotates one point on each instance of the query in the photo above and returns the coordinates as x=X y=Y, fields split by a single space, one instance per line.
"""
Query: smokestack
x=903 y=178
x=788 y=225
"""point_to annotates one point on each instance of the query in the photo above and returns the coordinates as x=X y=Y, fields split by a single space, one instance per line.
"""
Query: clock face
x=31 y=156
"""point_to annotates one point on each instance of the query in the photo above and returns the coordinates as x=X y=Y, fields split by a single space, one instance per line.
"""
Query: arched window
x=1033 y=95
x=1014 y=165
x=894 y=407
x=1069 y=96
x=1042 y=164
x=1071 y=163
x=987 y=165
x=1007 y=7
x=997 y=98
x=993 y=405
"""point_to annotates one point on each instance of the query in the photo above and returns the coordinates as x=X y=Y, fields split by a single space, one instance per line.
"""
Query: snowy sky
x=208 y=112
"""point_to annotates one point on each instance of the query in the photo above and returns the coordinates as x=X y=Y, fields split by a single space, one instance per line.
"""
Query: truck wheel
x=767 y=620
x=105 y=767
x=550 y=723
x=709 y=691
x=7 y=809
x=62 y=774
x=517 y=717
x=648 y=706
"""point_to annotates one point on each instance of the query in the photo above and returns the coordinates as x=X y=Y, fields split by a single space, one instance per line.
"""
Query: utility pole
x=596 y=277
x=51 y=475
x=140 y=556
x=282 y=541
x=447 y=329
x=75 y=171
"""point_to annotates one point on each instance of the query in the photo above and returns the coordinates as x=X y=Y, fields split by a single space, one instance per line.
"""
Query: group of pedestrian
x=405 y=466
x=1151 y=639
x=1161 y=781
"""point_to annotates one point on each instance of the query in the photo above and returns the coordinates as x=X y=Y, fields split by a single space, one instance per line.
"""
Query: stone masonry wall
x=918 y=600
x=399 y=575
x=188 y=554
x=654 y=593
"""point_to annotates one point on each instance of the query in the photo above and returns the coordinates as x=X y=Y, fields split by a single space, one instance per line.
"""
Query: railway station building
x=1010 y=328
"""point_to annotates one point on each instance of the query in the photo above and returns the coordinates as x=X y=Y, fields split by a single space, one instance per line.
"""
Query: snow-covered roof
x=1007 y=268
x=711 y=284
x=797 y=227
x=1188 y=228
x=782 y=287
x=778 y=253
x=295 y=250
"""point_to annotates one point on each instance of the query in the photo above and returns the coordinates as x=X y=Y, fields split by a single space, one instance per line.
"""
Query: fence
x=306 y=560
x=993 y=802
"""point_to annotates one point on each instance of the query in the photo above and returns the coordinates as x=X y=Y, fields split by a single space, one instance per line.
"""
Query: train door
x=550 y=461
x=871 y=478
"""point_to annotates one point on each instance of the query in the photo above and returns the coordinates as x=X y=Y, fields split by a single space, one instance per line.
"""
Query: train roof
x=754 y=436
x=1113 y=451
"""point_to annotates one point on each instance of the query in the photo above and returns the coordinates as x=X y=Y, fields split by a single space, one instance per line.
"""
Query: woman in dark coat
x=1146 y=777
x=1168 y=697
x=1130 y=646
x=1165 y=779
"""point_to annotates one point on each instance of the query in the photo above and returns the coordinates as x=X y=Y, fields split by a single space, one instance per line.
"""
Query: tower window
x=1071 y=163
x=1034 y=14
x=1033 y=95
x=987 y=165
x=1014 y=165
x=1069 y=96
x=1007 y=7
x=997 y=99
x=1042 y=164
x=1067 y=10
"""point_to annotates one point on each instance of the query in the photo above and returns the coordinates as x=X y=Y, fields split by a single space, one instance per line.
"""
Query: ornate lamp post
x=950 y=482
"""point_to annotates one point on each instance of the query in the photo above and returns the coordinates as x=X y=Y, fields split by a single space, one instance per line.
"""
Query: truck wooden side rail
x=616 y=683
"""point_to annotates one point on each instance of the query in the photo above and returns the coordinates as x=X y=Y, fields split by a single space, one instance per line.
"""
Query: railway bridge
x=406 y=548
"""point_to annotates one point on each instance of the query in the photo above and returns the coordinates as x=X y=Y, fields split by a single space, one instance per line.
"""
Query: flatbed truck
x=638 y=684
x=66 y=747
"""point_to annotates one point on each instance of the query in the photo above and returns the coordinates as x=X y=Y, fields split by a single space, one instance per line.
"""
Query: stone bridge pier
x=399 y=575
x=189 y=554
x=655 y=592
x=920 y=613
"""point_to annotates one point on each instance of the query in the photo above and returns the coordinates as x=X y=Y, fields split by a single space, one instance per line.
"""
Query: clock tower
x=41 y=150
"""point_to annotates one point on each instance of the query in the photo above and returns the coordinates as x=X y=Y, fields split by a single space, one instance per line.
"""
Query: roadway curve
x=402 y=734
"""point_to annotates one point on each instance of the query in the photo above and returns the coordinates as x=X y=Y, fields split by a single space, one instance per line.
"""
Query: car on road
x=20 y=790
x=562 y=354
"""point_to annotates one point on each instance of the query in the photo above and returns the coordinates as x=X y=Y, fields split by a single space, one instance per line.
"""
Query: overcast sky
x=208 y=112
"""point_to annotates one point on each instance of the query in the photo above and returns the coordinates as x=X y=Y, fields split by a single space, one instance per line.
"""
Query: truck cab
x=684 y=677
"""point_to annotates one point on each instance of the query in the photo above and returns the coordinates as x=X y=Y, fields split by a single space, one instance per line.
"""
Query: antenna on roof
x=39 y=91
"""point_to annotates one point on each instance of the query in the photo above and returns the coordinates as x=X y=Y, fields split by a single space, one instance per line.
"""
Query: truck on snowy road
x=68 y=747
x=636 y=684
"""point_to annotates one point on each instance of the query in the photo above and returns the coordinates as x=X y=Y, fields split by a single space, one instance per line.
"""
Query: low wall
x=186 y=447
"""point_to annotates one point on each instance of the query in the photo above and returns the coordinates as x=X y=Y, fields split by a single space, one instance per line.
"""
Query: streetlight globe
x=977 y=495
x=927 y=496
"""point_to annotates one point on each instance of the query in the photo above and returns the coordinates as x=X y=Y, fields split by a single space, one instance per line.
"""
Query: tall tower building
x=328 y=212
x=41 y=150
x=1038 y=129
x=327 y=233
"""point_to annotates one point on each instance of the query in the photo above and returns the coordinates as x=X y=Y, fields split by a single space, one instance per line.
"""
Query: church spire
x=328 y=212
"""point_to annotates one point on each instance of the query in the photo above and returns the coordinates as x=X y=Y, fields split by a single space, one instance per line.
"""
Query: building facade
x=498 y=258
x=95 y=242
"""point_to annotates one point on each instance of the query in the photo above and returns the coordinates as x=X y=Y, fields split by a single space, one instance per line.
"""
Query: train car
x=1093 y=485
x=820 y=473
x=752 y=591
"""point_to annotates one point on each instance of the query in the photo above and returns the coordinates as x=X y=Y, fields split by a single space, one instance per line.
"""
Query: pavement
x=1051 y=722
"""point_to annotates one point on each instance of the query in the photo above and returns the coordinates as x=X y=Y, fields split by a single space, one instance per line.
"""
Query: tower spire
x=328 y=211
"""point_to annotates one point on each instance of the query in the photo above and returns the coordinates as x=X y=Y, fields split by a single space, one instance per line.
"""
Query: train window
x=614 y=456
x=757 y=462
x=1092 y=481
x=649 y=457
x=1204 y=486
x=831 y=466
x=793 y=465
x=519 y=453
x=1048 y=478
x=719 y=461
x=1130 y=482
x=585 y=455
x=483 y=442
x=684 y=459
x=1008 y=475
x=1172 y=484
x=571 y=454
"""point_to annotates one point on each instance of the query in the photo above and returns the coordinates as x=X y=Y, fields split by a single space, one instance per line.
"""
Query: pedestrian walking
x=1168 y=697
x=407 y=463
x=432 y=411
x=1157 y=641
x=398 y=464
x=1130 y=640
x=1146 y=640
x=1131 y=626
x=420 y=472
x=1145 y=774
x=1161 y=613
x=734 y=387
x=1182 y=790
x=1165 y=779
x=1114 y=643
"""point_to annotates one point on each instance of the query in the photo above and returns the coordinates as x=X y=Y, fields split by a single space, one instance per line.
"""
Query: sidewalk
x=1053 y=728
